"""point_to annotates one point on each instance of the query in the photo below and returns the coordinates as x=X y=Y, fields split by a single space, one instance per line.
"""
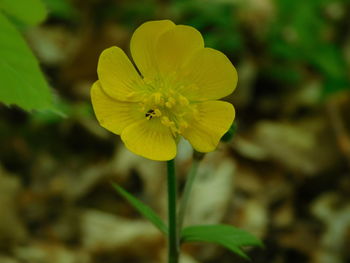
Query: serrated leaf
x=21 y=80
x=227 y=236
x=143 y=209
x=30 y=12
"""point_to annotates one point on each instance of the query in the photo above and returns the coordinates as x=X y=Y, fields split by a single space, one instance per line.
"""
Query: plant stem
x=186 y=194
x=173 y=243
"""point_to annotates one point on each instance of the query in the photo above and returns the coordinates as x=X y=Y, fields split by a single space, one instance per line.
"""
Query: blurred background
x=284 y=177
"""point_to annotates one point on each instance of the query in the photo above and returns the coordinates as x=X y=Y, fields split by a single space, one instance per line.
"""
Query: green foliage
x=21 y=80
x=30 y=12
x=302 y=35
x=146 y=211
x=61 y=9
x=215 y=18
x=228 y=136
x=133 y=13
x=224 y=235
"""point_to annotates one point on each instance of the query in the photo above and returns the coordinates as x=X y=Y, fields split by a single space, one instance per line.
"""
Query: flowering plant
x=176 y=93
x=173 y=93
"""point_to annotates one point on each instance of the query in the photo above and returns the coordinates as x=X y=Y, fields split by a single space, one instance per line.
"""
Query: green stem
x=173 y=243
x=186 y=194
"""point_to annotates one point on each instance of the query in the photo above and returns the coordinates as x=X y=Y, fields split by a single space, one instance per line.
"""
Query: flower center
x=163 y=102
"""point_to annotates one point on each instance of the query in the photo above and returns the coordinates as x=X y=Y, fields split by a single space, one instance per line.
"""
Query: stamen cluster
x=161 y=102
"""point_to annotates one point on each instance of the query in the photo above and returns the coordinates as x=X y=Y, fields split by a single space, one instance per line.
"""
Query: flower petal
x=119 y=78
x=215 y=118
x=150 y=139
x=143 y=45
x=212 y=74
x=176 y=46
x=112 y=114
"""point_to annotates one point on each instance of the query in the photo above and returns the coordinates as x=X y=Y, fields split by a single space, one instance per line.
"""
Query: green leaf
x=21 y=80
x=228 y=136
x=142 y=208
x=30 y=12
x=61 y=9
x=224 y=235
x=329 y=60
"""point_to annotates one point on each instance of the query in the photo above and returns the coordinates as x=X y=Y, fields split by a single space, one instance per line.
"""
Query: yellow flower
x=175 y=93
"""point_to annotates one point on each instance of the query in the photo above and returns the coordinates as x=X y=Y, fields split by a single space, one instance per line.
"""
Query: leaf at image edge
x=224 y=235
x=146 y=211
x=21 y=80
x=30 y=12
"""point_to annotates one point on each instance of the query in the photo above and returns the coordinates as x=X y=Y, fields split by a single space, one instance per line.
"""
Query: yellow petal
x=150 y=139
x=212 y=74
x=112 y=114
x=176 y=46
x=143 y=44
x=119 y=78
x=214 y=120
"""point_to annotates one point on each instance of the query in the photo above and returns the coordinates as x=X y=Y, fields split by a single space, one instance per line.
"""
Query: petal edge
x=212 y=73
x=150 y=139
x=215 y=118
x=143 y=45
x=111 y=114
x=117 y=74
x=176 y=46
